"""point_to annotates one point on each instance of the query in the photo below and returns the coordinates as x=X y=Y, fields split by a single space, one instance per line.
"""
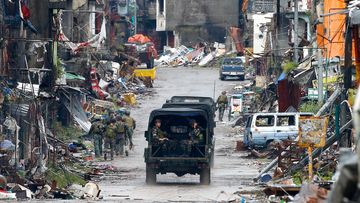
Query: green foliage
x=62 y=177
x=66 y=133
x=289 y=66
x=310 y=106
x=298 y=177
x=326 y=176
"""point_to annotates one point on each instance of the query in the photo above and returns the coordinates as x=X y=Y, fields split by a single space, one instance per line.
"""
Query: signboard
x=312 y=131
x=313 y=93
x=236 y=103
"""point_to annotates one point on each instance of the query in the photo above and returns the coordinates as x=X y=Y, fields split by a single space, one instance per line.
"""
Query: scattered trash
x=22 y=192
x=202 y=54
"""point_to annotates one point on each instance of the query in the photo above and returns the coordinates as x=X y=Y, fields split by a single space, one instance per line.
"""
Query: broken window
x=285 y=121
x=161 y=7
x=264 y=121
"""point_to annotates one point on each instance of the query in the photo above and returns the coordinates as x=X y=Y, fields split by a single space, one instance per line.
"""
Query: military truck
x=193 y=99
x=175 y=119
x=205 y=103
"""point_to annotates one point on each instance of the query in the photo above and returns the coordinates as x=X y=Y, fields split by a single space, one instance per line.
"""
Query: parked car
x=232 y=67
x=263 y=128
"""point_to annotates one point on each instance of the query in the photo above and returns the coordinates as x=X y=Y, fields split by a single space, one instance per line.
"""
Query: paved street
x=232 y=171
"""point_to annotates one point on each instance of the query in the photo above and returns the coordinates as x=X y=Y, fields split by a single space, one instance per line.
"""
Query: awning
x=304 y=72
x=304 y=77
x=72 y=103
x=73 y=76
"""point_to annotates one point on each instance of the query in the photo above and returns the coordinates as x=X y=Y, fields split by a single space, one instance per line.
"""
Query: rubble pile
x=65 y=171
x=45 y=118
x=203 y=54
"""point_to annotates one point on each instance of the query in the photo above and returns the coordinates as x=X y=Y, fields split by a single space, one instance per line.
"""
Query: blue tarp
x=281 y=77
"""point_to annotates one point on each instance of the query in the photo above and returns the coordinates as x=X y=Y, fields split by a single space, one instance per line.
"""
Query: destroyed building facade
x=188 y=22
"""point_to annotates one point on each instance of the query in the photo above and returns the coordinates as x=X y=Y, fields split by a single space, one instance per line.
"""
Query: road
x=233 y=171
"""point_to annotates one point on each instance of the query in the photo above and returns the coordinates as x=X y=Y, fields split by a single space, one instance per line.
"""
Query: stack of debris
x=203 y=54
x=291 y=174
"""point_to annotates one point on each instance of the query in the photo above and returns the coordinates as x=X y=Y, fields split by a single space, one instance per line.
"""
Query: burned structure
x=189 y=22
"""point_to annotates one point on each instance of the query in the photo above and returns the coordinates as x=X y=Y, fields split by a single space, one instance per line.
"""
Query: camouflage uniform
x=131 y=125
x=120 y=138
x=222 y=102
x=196 y=137
x=159 y=138
x=157 y=133
x=110 y=135
x=96 y=131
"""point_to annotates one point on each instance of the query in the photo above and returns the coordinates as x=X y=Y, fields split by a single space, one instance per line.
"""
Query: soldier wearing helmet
x=121 y=131
x=130 y=124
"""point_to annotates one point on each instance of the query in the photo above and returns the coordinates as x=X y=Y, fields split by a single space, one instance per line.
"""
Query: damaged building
x=189 y=22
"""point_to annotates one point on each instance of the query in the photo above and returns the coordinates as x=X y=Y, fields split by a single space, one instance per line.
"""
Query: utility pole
x=357 y=52
x=296 y=30
x=135 y=16
x=320 y=78
x=345 y=139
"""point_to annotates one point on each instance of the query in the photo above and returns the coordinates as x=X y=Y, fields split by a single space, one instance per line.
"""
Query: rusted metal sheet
x=289 y=95
x=235 y=33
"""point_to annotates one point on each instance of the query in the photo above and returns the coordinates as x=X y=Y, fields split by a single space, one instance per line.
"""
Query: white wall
x=160 y=17
x=259 y=36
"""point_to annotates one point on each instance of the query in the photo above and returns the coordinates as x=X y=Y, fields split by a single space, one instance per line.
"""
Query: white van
x=263 y=128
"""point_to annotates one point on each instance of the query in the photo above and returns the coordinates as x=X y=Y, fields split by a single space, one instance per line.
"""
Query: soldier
x=110 y=134
x=157 y=133
x=222 y=103
x=196 y=135
x=120 y=136
x=96 y=131
x=130 y=127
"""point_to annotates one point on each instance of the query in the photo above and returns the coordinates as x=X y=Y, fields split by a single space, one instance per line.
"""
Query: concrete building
x=260 y=32
x=191 y=21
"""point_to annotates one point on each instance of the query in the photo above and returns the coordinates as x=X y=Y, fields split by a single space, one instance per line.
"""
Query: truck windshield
x=232 y=68
x=232 y=61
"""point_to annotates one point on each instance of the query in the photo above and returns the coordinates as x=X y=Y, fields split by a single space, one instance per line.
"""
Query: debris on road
x=202 y=54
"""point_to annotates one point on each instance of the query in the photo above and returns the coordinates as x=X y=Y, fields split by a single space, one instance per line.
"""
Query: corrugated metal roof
x=27 y=87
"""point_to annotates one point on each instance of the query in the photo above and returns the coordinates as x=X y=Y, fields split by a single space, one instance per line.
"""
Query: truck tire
x=150 y=175
x=205 y=177
x=212 y=159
